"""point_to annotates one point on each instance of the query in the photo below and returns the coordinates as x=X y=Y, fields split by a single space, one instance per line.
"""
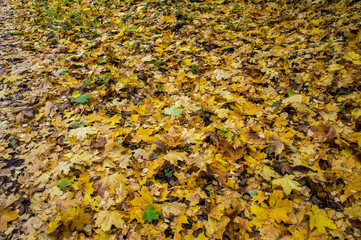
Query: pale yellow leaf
x=287 y=183
x=106 y=219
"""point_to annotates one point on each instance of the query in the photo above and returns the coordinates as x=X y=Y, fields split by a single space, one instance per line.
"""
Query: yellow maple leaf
x=280 y=207
x=53 y=225
x=277 y=210
x=81 y=133
x=261 y=215
x=194 y=196
x=220 y=74
x=190 y=135
x=174 y=208
x=320 y=220
x=353 y=57
x=177 y=224
x=187 y=61
x=12 y=78
x=297 y=98
x=143 y=134
x=143 y=200
x=104 y=184
x=346 y=152
x=250 y=108
x=103 y=236
x=335 y=67
x=287 y=183
x=169 y=19
x=115 y=119
x=79 y=218
x=272 y=231
x=356 y=113
x=123 y=160
x=173 y=157
x=215 y=228
x=354 y=137
x=251 y=160
x=42 y=180
x=354 y=212
x=225 y=94
x=217 y=211
x=92 y=202
x=76 y=94
x=267 y=173
x=221 y=112
x=106 y=219
x=353 y=188
x=201 y=236
x=7 y=216
x=63 y=167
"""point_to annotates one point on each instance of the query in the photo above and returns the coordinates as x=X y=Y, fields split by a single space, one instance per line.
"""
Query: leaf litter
x=180 y=119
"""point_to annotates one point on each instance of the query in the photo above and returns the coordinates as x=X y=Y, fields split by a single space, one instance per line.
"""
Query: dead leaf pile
x=165 y=119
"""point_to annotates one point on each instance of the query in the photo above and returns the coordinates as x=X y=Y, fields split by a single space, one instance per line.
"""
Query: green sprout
x=168 y=172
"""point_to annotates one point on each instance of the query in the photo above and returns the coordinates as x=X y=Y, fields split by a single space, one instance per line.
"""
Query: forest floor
x=180 y=119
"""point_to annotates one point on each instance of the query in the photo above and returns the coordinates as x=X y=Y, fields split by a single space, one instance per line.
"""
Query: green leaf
x=15 y=33
x=65 y=183
x=253 y=192
x=168 y=172
x=150 y=213
x=173 y=111
x=269 y=150
x=193 y=68
x=153 y=155
x=275 y=105
x=13 y=142
x=81 y=99
x=87 y=81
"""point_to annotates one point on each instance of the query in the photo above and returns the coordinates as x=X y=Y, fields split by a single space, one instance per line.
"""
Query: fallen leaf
x=7 y=216
x=287 y=183
x=106 y=219
x=320 y=220
x=172 y=111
